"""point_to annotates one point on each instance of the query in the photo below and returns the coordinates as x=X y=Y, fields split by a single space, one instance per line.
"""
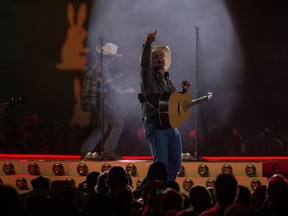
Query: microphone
x=101 y=42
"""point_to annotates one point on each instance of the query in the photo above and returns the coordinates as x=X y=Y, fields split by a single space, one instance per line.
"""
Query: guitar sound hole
x=185 y=106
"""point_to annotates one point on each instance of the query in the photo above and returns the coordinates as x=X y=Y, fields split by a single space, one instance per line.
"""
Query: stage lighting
x=8 y=169
x=210 y=183
x=21 y=183
x=33 y=169
x=71 y=181
x=105 y=167
x=203 y=170
x=188 y=184
x=255 y=183
x=58 y=169
x=250 y=170
x=82 y=169
x=227 y=169
x=131 y=169
x=271 y=168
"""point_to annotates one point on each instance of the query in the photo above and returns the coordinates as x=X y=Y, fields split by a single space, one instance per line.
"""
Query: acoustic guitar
x=174 y=108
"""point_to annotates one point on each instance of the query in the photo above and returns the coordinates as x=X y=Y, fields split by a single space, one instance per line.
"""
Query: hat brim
x=167 y=54
x=98 y=49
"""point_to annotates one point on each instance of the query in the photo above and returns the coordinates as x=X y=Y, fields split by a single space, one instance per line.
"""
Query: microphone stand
x=102 y=98
x=196 y=96
x=188 y=156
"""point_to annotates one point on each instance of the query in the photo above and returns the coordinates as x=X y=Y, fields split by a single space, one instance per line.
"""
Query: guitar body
x=174 y=108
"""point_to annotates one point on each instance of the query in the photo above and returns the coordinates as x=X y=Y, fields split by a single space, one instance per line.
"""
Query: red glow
x=137 y=157
x=246 y=158
x=37 y=157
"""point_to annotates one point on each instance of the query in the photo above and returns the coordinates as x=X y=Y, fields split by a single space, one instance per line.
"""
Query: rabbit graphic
x=73 y=52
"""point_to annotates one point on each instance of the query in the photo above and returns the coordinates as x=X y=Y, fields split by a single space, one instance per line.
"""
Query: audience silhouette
x=110 y=193
x=225 y=190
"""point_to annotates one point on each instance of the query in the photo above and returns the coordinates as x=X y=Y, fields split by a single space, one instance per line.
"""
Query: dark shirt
x=92 y=91
x=152 y=82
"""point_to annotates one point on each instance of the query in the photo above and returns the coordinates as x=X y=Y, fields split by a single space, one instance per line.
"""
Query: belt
x=150 y=116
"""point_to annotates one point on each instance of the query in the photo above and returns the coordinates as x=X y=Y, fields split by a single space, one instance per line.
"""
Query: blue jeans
x=111 y=119
x=165 y=145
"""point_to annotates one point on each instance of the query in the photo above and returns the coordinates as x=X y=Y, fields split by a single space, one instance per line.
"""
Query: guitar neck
x=199 y=100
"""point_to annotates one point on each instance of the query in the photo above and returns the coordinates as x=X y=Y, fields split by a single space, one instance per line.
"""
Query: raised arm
x=146 y=50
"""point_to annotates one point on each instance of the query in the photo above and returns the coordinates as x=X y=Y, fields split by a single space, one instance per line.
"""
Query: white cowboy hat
x=167 y=54
x=109 y=49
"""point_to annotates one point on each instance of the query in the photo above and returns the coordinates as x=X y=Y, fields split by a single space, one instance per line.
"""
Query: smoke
x=127 y=22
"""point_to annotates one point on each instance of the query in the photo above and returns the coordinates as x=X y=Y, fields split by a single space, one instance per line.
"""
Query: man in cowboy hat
x=99 y=80
x=165 y=143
